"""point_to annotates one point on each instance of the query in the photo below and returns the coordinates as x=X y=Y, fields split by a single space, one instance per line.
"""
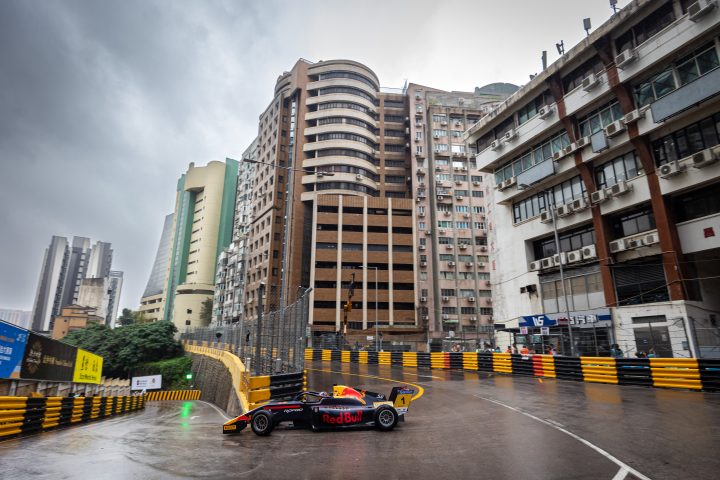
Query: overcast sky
x=104 y=103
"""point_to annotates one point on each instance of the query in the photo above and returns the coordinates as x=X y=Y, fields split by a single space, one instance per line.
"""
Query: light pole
x=551 y=207
x=377 y=330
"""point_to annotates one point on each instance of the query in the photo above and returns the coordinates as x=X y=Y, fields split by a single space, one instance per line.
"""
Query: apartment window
x=682 y=72
x=697 y=204
x=439 y=118
x=349 y=105
x=465 y=293
x=418 y=150
x=445 y=224
x=562 y=193
x=345 y=136
x=583 y=292
x=569 y=241
x=326 y=246
x=441 y=147
x=445 y=241
x=418 y=108
x=447 y=292
x=423 y=276
x=476 y=178
x=467 y=310
x=617 y=170
x=460 y=178
x=347 y=90
x=422 y=226
x=600 y=118
x=642 y=282
x=633 y=222
x=447 y=257
x=478 y=209
x=687 y=141
x=394 y=118
x=478 y=194
x=531 y=109
x=462 y=208
x=647 y=28
x=447 y=275
x=439 y=132
x=449 y=310
x=418 y=135
x=458 y=149
x=442 y=162
x=462 y=225
x=442 y=177
x=537 y=154
x=576 y=77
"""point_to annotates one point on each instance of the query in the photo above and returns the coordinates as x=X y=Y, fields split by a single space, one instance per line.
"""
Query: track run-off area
x=460 y=425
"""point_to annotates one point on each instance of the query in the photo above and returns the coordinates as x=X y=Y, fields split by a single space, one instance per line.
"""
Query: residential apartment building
x=152 y=303
x=615 y=145
x=230 y=271
x=64 y=267
x=331 y=199
x=202 y=228
x=451 y=212
x=74 y=317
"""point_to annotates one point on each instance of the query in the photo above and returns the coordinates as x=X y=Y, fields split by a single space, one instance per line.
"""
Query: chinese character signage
x=88 y=367
x=598 y=318
x=12 y=348
x=47 y=359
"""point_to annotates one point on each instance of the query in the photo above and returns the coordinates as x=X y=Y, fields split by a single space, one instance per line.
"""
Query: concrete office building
x=202 y=228
x=620 y=136
x=115 y=282
x=330 y=195
x=64 y=267
x=153 y=300
x=451 y=212
x=230 y=271
x=74 y=317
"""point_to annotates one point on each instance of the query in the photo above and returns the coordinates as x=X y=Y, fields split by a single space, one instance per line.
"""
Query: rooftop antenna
x=613 y=5
x=544 y=59
x=560 y=47
x=587 y=26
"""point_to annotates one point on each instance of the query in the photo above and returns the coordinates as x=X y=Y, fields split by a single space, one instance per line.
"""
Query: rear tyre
x=261 y=423
x=386 y=417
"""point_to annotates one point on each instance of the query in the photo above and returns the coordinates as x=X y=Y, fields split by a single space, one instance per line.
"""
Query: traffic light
x=348 y=306
x=188 y=376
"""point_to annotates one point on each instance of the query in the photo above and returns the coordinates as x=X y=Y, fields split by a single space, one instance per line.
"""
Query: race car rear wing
x=401 y=398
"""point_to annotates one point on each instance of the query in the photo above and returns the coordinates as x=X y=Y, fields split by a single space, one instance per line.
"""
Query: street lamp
x=377 y=334
x=546 y=196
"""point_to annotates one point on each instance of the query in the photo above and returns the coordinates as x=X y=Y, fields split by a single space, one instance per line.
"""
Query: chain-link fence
x=274 y=343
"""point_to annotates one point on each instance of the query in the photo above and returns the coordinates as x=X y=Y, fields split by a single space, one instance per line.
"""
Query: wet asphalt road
x=465 y=425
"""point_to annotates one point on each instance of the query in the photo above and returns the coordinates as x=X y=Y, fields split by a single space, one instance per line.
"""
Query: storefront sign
x=47 y=359
x=150 y=382
x=12 y=348
x=88 y=367
x=596 y=318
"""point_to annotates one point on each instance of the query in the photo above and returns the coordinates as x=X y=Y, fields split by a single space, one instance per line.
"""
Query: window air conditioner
x=617 y=246
x=463 y=246
x=626 y=57
x=423 y=299
x=546 y=111
x=564 y=210
x=535 y=266
x=509 y=135
x=634 y=116
x=546 y=262
x=699 y=9
x=704 y=158
x=559 y=257
x=471 y=299
x=634 y=243
x=574 y=256
x=671 y=169
x=620 y=188
x=445 y=299
x=546 y=217
x=580 y=204
x=451 y=264
x=590 y=82
x=422 y=247
x=495 y=145
x=615 y=128
x=651 y=239
x=598 y=196
x=589 y=252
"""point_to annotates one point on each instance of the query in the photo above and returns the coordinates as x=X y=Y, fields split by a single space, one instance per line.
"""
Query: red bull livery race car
x=346 y=407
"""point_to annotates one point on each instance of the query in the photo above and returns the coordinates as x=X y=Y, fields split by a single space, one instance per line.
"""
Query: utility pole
x=260 y=308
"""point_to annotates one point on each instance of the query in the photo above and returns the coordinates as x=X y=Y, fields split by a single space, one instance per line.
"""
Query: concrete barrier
x=689 y=373
x=28 y=415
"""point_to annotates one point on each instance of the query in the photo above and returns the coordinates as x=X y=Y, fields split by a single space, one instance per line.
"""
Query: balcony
x=687 y=96
x=681 y=32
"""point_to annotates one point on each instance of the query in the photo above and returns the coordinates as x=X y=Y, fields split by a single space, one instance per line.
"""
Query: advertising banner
x=12 y=349
x=47 y=359
x=88 y=367
x=150 y=382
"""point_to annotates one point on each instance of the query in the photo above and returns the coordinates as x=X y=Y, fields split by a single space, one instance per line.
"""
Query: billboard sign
x=88 y=367
x=150 y=382
x=47 y=359
x=12 y=349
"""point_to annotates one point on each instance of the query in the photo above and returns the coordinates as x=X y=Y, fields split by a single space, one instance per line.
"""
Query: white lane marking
x=623 y=466
x=621 y=474
x=222 y=414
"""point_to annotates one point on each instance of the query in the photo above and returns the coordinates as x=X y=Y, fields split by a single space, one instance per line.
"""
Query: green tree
x=139 y=317
x=126 y=318
x=123 y=349
x=206 y=311
x=173 y=371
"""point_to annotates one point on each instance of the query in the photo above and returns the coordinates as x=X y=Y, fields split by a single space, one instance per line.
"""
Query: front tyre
x=386 y=417
x=261 y=423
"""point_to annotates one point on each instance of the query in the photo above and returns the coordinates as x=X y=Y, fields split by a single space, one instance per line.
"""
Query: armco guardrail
x=26 y=415
x=690 y=373
x=271 y=387
x=157 y=396
x=253 y=391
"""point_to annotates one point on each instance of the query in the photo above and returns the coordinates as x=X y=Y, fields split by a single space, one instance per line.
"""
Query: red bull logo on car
x=344 y=418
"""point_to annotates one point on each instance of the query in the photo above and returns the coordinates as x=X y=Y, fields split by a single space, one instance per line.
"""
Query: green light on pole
x=188 y=376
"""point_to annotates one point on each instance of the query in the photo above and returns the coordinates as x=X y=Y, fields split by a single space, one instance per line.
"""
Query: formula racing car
x=346 y=407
